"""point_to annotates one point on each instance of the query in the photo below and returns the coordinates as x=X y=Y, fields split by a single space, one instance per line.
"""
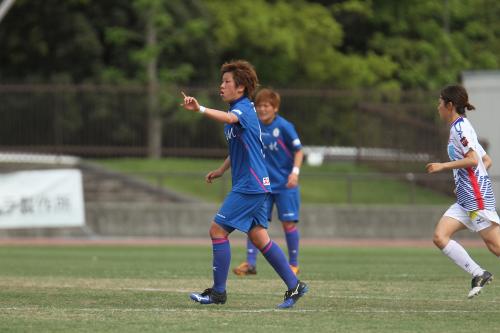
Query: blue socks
x=221 y=261
x=292 y=241
x=251 y=253
x=276 y=258
x=292 y=236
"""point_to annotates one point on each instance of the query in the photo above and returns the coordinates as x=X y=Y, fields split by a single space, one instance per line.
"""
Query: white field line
x=375 y=298
x=353 y=297
x=212 y=310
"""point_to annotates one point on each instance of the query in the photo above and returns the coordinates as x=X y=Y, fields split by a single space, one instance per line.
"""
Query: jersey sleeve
x=291 y=137
x=480 y=150
x=242 y=117
x=466 y=138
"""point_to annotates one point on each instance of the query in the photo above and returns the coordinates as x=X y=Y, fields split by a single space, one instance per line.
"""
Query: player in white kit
x=475 y=206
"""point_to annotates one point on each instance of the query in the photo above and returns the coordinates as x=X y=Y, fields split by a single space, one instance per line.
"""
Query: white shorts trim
x=474 y=221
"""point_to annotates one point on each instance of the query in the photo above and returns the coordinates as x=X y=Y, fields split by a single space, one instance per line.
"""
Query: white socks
x=457 y=253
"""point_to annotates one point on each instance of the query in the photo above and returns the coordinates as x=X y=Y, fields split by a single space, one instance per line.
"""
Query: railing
x=369 y=188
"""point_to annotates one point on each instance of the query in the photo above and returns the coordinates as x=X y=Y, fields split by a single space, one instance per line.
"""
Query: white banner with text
x=42 y=198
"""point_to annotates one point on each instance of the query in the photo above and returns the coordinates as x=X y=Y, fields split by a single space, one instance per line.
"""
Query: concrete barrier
x=184 y=220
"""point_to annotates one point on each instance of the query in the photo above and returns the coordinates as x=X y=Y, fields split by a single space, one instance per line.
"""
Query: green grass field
x=326 y=184
x=145 y=289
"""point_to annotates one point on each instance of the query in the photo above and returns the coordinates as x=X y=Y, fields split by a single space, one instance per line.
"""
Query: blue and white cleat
x=209 y=296
x=293 y=295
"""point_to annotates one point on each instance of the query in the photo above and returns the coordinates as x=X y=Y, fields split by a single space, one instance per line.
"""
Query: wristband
x=296 y=170
x=202 y=109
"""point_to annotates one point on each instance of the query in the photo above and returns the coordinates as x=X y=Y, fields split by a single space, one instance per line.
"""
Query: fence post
x=411 y=178
x=349 y=189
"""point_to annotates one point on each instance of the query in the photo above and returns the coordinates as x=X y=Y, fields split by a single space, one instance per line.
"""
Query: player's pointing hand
x=190 y=103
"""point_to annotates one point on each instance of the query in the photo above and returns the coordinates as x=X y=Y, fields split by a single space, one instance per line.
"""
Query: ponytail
x=469 y=106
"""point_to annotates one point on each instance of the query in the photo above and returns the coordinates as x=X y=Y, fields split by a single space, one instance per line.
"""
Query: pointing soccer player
x=245 y=206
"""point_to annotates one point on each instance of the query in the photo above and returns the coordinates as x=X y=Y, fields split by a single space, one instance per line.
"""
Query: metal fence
x=356 y=188
x=113 y=121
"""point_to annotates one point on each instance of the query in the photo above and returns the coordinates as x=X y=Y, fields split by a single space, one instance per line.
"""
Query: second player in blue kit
x=283 y=158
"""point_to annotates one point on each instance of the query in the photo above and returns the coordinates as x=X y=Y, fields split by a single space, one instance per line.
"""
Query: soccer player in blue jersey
x=475 y=206
x=245 y=207
x=283 y=156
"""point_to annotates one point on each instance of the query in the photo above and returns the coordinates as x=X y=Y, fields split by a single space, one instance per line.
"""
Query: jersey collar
x=236 y=101
x=459 y=119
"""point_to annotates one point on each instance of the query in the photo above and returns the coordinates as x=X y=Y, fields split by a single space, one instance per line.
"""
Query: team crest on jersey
x=464 y=141
x=276 y=132
x=266 y=181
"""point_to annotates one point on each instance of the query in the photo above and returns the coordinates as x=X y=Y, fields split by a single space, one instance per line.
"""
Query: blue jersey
x=280 y=144
x=248 y=170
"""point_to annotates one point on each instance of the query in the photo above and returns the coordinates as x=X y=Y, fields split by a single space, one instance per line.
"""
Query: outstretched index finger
x=183 y=94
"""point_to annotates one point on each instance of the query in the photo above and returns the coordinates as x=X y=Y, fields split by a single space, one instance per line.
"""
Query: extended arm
x=470 y=160
x=190 y=103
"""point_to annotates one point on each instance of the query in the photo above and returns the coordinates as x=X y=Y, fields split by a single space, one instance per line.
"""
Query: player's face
x=266 y=112
x=444 y=112
x=228 y=90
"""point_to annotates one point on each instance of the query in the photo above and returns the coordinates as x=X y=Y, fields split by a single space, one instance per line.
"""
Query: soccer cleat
x=293 y=295
x=478 y=282
x=209 y=296
x=245 y=269
x=295 y=269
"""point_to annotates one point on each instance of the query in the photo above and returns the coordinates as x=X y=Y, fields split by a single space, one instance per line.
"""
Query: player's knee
x=496 y=251
x=494 y=248
x=287 y=226
x=440 y=240
x=216 y=232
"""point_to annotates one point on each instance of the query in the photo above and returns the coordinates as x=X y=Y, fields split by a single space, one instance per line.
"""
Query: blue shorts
x=287 y=203
x=243 y=211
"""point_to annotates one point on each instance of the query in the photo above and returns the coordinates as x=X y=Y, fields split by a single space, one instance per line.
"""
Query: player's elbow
x=231 y=119
x=474 y=161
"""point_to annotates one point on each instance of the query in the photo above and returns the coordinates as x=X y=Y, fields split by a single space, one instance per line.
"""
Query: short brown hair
x=268 y=95
x=457 y=95
x=243 y=74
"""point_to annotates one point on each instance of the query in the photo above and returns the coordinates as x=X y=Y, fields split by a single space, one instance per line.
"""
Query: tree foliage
x=338 y=44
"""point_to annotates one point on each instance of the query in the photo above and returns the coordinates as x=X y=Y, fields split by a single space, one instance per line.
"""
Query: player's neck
x=453 y=118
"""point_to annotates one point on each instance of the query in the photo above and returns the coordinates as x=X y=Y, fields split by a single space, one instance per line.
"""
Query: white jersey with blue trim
x=473 y=185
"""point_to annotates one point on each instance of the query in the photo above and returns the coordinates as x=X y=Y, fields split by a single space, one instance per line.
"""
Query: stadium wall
x=188 y=220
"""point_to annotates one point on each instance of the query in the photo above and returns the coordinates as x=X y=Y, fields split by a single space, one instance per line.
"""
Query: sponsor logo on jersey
x=464 y=141
x=230 y=134
x=266 y=181
x=273 y=146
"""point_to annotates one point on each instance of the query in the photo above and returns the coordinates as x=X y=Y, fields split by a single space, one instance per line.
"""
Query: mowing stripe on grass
x=166 y=310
